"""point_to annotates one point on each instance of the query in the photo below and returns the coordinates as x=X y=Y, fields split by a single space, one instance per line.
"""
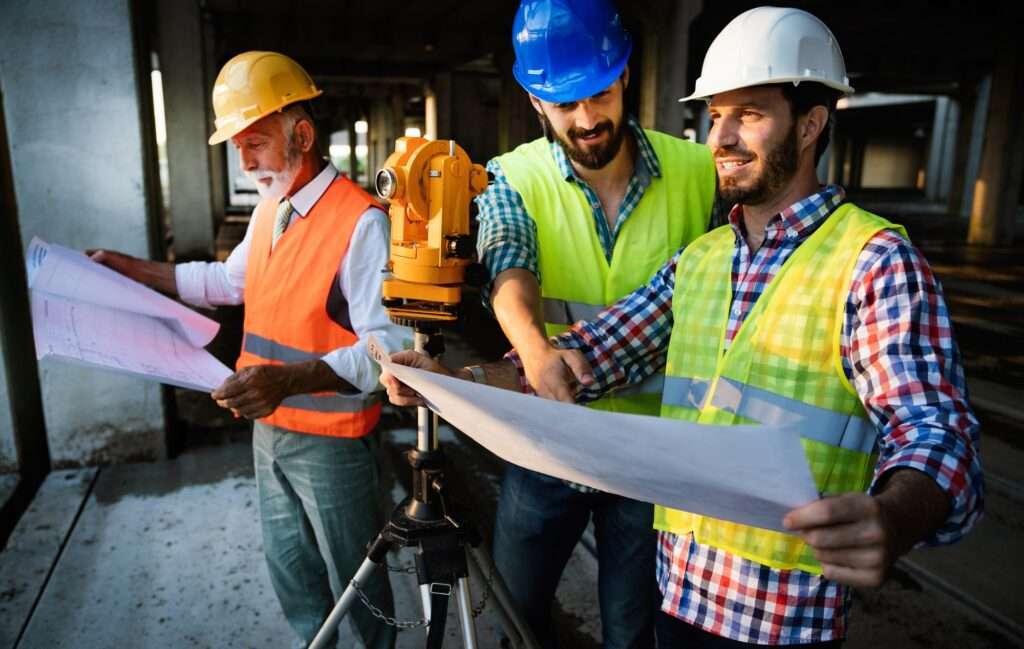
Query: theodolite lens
x=385 y=183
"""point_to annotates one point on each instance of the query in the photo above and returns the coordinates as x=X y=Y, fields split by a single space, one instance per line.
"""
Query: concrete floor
x=168 y=554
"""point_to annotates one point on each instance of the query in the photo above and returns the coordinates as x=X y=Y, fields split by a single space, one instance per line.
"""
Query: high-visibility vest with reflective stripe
x=286 y=307
x=577 y=281
x=783 y=366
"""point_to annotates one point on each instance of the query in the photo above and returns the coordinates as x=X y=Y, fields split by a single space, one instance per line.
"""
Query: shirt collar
x=648 y=157
x=799 y=219
x=303 y=200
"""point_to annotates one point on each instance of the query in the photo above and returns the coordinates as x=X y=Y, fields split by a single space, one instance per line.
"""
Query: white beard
x=280 y=181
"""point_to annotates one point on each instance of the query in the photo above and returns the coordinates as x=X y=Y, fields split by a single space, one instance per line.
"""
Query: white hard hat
x=771 y=45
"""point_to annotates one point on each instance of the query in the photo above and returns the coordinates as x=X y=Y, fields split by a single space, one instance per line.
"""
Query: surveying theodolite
x=430 y=185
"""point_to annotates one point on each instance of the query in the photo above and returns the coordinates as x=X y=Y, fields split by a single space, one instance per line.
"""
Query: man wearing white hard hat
x=572 y=222
x=806 y=309
x=308 y=271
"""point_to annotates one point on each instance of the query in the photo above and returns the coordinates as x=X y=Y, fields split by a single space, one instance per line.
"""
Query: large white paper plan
x=748 y=474
x=88 y=314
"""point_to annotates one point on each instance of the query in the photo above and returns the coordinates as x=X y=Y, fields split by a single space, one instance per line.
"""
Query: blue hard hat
x=568 y=50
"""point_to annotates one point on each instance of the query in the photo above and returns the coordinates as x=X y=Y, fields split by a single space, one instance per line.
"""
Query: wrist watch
x=477 y=373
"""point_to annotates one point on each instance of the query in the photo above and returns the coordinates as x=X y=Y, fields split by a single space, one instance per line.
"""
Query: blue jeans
x=319 y=509
x=539 y=521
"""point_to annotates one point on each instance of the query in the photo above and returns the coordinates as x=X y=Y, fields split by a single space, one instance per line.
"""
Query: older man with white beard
x=308 y=271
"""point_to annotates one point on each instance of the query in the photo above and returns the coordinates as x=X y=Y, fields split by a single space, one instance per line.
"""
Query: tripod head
x=429 y=185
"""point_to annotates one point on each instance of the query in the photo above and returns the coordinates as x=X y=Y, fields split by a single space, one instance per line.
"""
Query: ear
x=536 y=104
x=812 y=126
x=625 y=77
x=304 y=135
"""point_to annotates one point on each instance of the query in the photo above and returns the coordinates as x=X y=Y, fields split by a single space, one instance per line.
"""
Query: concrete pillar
x=976 y=144
x=673 y=63
x=442 y=85
x=185 y=103
x=429 y=112
x=941 y=149
x=997 y=189
x=78 y=119
x=517 y=120
x=648 y=76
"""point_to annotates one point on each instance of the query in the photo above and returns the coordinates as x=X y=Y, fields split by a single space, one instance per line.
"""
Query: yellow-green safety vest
x=783 y=366
x=577 y=281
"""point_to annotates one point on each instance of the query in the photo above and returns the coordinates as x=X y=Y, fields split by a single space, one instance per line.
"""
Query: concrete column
x=997 y=189
x=78 y=107
x=23 y=445
x=674 y=49
x=649 y=77
x=429 y=112
x=976 y=145
x=188 y=156
x=442 y=85
x=517 y=120
x=941 y=149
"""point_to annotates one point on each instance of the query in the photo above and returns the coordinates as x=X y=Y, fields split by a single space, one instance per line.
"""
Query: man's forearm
x=158 y=275
x=315 y=376
x=500 y=374
x=914 y=507
x=516 y=302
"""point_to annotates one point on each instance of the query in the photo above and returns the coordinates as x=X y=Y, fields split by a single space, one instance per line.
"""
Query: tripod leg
x=344 y=604
x=469 y=639
x=508 y=614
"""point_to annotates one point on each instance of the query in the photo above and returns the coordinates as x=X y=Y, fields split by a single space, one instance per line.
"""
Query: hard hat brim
x=705 y=94
x=227 y=132
x=586 y=86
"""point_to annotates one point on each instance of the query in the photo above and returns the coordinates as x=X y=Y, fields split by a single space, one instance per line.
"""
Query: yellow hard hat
x=253 y=85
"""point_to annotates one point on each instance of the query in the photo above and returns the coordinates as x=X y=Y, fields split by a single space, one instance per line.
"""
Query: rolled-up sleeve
x=901 y=357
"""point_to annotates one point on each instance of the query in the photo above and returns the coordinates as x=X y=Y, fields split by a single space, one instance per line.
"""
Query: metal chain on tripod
x=414 y=624
x=383 y=617
x=488 y=589
x=407 y=569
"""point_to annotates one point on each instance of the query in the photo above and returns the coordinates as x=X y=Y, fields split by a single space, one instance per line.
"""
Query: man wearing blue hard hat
x=572 y=222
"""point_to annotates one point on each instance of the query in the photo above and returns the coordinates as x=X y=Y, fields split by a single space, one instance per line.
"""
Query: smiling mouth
x=729 y=165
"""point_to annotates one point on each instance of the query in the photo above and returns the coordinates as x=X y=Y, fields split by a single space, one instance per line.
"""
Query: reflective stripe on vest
x=564 y=312
x=317 y=402
x=287 y=292
x=782 y=366
x=750 y=402
x=578 y=280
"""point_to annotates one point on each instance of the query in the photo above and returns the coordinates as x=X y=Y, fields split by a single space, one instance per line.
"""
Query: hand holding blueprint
x=747 y=474
x=88 y=314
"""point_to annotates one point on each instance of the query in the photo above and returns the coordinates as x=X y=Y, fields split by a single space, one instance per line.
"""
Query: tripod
x=442 y=540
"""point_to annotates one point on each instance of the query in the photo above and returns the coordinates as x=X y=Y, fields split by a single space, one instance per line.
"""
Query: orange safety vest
x=286 y=311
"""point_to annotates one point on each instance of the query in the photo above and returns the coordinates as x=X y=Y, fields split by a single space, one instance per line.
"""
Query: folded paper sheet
x=88 y=314
x=747 y=474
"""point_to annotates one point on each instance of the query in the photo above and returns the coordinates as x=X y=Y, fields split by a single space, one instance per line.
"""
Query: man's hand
x=155 y=274
x=857 y=537
x=555 y=373
x=255 y=391
x=399 y=393
x=850 y=536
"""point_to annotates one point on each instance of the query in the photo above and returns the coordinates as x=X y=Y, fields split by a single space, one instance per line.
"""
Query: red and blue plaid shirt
x=899 y=354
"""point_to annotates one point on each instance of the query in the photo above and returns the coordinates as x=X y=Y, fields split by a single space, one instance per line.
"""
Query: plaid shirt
x=898 y=352
x=508 y=235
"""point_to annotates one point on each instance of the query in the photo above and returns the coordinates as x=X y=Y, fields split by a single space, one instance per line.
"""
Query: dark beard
x=596 y=158
x=779 y=168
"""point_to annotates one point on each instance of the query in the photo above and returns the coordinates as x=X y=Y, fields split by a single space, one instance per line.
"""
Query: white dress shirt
x=207 y=284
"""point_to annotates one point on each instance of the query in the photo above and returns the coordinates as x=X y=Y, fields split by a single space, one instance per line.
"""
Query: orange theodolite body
x=429 y=184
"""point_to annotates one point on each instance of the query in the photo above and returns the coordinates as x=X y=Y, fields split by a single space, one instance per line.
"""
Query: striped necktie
x=284 y=215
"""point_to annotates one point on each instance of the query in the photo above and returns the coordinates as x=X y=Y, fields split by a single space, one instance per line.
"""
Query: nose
x=723 y=134
x=246 y=160
x=586 y=117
